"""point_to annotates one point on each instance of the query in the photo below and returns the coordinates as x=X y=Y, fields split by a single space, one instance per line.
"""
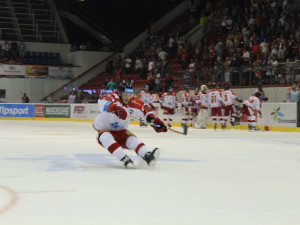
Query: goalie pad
x=200 y=120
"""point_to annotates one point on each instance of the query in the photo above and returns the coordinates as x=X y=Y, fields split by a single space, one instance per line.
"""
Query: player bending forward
x=113 y=121
x=249 y=106
x=228 y=96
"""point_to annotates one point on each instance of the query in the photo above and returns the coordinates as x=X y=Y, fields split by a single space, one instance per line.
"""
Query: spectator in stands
x=72 y=97
x=14 y=54
x=293 y=93
x=111 y=85
x=82 y=47
x=128 y=62
x=138 y=65
x=168 y=82
x=5 y=51
x=2 y=99
x=21 y=48
x=25 y=98
x=157 y=81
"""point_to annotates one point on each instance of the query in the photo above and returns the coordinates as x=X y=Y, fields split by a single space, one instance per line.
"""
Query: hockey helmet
x=203 y=88
x=125 y=87
x=257 y=93
x=226 y=87
x=214 y=85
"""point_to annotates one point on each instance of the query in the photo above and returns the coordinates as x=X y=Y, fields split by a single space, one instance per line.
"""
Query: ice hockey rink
x=55 y=173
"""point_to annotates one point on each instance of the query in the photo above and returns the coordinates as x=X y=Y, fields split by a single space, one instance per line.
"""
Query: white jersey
x=203 y=100
x=155 y=98
x=185 y=99
x=168 y=100
x=228 y=96
x=194 y=97
x=145 y=97
x=215 y=98
x=110 y=121
x=254 y=103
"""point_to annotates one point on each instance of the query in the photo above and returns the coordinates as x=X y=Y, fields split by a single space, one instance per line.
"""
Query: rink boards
x=275 y=116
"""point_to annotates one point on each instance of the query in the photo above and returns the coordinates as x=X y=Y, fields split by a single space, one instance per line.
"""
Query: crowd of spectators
x=250 y=33
x=12 y=52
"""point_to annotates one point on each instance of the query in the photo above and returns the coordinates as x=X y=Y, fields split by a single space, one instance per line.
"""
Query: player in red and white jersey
x=155 y=98
x=146 y=97
x=228 y=97
x=168 y=102
x=203 y=104
x=249 y=106
x=194 y=106
x=185 y=105
x=215 y=102
x=113 y=121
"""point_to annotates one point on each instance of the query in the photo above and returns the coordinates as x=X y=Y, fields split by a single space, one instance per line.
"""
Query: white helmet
x=203 y=88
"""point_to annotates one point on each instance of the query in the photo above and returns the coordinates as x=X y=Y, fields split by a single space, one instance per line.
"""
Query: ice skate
x=203 y=127
x=249 y=127
x=232 y=123
x=151 y=157
x=142 y=124
x=223 y=126
x=255 y=128
x=215 y=126
x=128 y=163
x=169 y=125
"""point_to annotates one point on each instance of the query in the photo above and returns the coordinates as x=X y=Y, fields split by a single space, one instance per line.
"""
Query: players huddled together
x=196 y=107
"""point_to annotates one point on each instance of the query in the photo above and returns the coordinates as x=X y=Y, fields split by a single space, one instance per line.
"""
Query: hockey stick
x=185 y=127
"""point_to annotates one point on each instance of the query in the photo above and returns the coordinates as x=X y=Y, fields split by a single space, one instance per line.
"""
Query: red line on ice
x=13 y=200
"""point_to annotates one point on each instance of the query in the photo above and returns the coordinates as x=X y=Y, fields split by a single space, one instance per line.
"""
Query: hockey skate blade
x=155 y=156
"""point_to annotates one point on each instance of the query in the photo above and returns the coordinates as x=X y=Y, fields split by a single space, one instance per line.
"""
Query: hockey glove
x=266 y=99
x=159 y=125
x=118 y=110
x=239 y=100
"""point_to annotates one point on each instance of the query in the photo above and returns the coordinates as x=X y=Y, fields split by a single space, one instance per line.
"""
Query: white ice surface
x=55 y=173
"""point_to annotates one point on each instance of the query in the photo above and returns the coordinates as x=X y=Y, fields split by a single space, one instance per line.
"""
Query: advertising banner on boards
x=16 y=110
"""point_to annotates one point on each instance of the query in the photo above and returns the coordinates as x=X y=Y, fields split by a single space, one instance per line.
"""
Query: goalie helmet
x=204 y=88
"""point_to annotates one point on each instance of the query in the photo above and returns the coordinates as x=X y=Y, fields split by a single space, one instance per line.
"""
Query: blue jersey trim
x=106 y=106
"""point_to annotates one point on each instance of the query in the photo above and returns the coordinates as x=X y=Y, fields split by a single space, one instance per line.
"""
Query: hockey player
x=194 y=106
x=262 y=97
x=249 y=106
x=203 y=103
x=215 y=103
x=168 y=102
x=185 y=105
x=113 y=121
x=228 y=96
x=146 y=97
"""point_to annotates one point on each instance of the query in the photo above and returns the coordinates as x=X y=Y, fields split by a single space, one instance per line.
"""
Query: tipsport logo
x=276 y=114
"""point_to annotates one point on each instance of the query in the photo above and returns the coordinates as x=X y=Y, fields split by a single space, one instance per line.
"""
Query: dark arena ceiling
x=118 y=20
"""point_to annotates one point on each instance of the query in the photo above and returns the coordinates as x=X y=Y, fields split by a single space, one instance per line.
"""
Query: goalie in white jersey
x=202 y=101
x=228 y=97
x=113 y=121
